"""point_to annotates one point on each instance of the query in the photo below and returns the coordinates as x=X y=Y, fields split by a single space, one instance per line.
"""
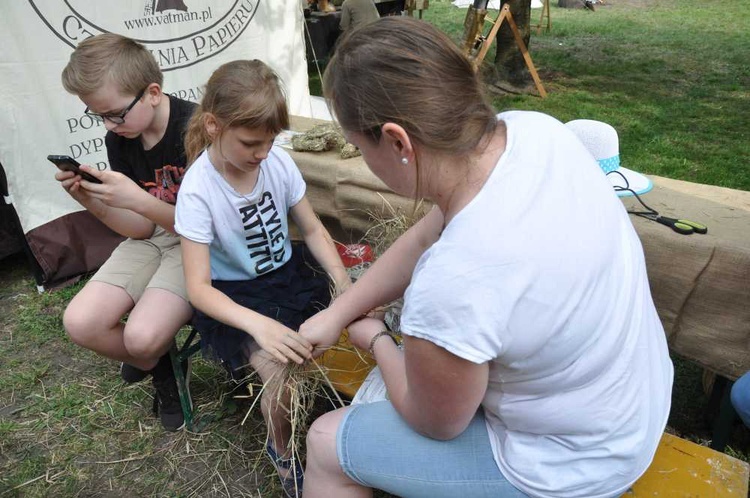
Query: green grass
x=70 y=427
x=673 y=77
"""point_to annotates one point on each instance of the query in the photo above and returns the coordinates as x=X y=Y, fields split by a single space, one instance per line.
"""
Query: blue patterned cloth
x=609 y=164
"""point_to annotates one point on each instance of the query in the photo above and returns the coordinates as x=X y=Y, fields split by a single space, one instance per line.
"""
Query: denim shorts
x=290 y=295
x=376 y=448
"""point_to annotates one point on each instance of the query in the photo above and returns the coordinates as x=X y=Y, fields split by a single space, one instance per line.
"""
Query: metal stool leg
x=178 y=355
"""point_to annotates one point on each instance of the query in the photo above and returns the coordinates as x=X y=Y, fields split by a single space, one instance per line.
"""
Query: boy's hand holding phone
x=67 y=163
x=112 y=188
x=72 y=183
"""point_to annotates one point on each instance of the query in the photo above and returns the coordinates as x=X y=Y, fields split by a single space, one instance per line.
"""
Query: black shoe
x=131 y=374
x=236 y=375
x=293 y=482
x=167 y=398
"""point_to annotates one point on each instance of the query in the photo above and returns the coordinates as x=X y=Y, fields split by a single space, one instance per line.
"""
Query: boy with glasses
x=120 y=82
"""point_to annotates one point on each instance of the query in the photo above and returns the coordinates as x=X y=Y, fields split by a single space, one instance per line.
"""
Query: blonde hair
x=244 y=93
x=405 y=71
x=108 y=58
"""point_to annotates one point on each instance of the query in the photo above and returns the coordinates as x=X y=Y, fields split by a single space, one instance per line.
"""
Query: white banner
x=189 y=39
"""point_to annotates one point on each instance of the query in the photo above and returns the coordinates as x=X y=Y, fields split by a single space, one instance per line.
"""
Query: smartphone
x=67 y=163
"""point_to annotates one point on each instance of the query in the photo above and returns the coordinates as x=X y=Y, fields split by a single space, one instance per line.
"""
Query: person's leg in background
x=154 y=322
x=741 y=398
x=93 y=318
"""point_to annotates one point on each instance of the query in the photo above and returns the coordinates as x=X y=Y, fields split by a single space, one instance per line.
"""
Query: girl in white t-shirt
x=533 y=362
x=250 y=285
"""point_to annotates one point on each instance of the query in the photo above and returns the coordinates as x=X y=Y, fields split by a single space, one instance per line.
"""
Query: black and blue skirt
x=290 y=295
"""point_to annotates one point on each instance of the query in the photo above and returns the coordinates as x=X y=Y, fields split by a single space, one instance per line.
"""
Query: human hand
x=71 y=183
x=116 y=189
x=281 y=342
x=362 y=331
x=341 y=285
x=322 y=330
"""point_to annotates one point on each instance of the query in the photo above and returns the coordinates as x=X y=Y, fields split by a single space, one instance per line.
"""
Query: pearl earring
x=404 y=161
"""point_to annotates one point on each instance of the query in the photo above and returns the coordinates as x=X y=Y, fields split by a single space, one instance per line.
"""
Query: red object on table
x=354 y=254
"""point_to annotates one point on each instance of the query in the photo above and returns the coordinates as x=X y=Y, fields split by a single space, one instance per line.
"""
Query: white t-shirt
x=248 y=234
x=543 y=276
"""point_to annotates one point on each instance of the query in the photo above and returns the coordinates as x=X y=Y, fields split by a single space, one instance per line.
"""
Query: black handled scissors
x=685 y=227
x=679 y=225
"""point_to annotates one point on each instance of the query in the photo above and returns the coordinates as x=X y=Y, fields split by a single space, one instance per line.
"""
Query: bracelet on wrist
x=378 y=336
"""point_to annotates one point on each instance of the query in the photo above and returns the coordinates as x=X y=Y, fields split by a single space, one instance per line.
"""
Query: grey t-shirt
x=355 y=13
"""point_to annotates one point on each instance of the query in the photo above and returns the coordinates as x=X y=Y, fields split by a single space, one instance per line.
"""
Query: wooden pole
x=525 y=53
x=545 y=11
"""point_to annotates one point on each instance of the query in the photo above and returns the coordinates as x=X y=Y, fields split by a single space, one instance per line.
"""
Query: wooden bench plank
x=347 y=367
x=681 y=468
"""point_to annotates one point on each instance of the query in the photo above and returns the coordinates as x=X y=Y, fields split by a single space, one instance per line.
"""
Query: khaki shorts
x=136 y=265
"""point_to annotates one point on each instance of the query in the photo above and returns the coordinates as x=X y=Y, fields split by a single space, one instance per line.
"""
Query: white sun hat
x=602 y=141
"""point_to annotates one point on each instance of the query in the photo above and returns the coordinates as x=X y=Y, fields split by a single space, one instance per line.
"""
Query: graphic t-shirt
x=248 y=235
x=542 y=276
x=158 y=170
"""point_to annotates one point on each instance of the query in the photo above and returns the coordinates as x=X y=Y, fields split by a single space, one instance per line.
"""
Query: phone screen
x=67 y=163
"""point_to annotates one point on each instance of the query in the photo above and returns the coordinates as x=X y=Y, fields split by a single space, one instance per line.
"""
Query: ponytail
x=196 y=136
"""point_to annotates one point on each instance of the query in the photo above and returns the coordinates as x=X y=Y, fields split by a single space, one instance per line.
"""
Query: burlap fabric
x=700 y=283
x=343 y=191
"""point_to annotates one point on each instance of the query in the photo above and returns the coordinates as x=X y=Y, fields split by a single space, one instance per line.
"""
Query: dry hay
x=324 y=137
x=388 y=225
x=297 y=390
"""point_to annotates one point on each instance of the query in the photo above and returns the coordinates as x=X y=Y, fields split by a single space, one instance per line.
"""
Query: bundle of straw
x=295 y=389
x=388 y=225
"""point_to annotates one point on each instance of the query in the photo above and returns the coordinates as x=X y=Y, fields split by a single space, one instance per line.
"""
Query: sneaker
x=295 y=475
x=236 y=375
x=167 y=398
x=131 y=374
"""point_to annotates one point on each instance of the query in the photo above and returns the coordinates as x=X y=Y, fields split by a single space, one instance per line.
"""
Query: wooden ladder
x=506 y=16
x=545 y=13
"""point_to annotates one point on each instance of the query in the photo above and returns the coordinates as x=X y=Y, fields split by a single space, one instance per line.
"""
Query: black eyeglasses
x=117 y=118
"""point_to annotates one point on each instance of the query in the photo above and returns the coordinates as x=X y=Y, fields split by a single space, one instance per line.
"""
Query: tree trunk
x=509 y=67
